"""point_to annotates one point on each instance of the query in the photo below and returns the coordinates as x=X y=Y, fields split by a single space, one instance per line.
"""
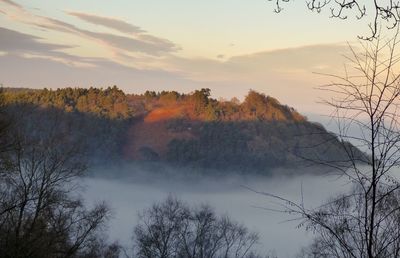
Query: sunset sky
x=230 y=46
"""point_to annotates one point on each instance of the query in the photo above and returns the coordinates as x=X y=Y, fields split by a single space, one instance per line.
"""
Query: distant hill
x=191 y=130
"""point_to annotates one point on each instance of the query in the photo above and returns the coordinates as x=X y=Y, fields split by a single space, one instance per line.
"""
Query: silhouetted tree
x=172 y=229
x=40 y=215
x=387 y=12
x=365 y=221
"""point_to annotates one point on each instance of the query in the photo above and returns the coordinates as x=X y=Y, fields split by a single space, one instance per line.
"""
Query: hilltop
x=191 y=130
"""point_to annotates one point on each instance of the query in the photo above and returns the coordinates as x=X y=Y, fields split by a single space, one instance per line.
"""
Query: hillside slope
x=192 y=129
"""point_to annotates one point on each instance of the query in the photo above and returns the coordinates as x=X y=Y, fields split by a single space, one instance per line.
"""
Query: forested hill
x=192 y=130
x=113 y=103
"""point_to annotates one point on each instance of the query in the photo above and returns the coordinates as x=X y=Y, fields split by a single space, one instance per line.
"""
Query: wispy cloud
x=9 y=2
x=135 y=39
x=305 y=58
x=291 y=63
x=108 y=22
x=37 y=72
x=13 y=41
x=127 y=28
x=155 y=47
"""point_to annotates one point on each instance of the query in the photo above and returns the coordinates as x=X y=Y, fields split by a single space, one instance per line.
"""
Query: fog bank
x=128 y=195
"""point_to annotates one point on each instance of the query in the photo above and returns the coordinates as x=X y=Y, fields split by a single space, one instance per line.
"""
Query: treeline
x=109 y=103
x=199 y=105
x=198 y=131
x=113 y=103
x=98 y=117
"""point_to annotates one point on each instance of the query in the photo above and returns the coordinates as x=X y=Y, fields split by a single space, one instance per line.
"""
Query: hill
x=192 y=130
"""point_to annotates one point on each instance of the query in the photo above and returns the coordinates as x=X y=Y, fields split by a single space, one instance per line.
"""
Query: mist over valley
x=143 y=149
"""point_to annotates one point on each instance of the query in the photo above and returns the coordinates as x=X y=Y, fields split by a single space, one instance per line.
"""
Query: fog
x=132 y=191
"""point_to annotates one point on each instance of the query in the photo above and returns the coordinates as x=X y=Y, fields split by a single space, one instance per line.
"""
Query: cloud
x=155 y=47
x=13 y=41
x=136 y=41
x=108 y=22
x=35 y=72
x=18 y=71
x=132 y=44
x=146 y=44
x=53 y=24
x=291 y=63
x=127 y=28
x=304 y=58
x=9 y=2
x=24 y=45
x=285 y=73
x=233 y=77
x=139 y=40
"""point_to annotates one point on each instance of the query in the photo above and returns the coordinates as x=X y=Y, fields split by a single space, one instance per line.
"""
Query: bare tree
x=39 y=214
x=380 y=11
x=172 y=229
x=365 y=221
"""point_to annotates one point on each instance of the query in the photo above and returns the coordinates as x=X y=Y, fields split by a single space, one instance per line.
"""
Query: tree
x=39 y=214
x=380 y=11
x=5 y=122
x=199 y=101
x=342 y=227
x=173 y=229
x=365 y=221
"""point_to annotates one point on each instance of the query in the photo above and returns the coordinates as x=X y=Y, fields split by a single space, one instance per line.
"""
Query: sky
x=229 y=46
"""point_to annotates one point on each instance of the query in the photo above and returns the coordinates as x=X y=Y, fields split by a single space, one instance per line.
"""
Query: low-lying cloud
x=129 y=190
